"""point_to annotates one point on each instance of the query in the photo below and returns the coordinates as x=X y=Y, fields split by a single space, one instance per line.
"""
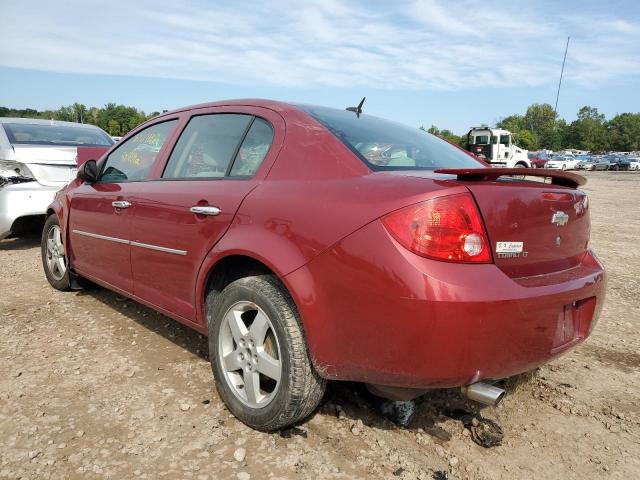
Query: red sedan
x=311 y=244
x=539 y=160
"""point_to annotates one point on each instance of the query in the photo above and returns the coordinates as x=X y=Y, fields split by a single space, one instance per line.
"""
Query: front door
x=99 y=231
x=504 y=148
x=100 y=214
x=180 y=216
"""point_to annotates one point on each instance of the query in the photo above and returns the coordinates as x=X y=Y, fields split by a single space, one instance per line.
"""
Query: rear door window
x=207 y=146
x=133 y=159
x=253 y=149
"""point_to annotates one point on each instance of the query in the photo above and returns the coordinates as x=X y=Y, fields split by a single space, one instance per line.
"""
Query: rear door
x=100 y=213
x=220 y=156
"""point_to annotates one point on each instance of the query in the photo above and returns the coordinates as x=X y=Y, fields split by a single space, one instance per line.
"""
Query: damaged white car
x=37 y=158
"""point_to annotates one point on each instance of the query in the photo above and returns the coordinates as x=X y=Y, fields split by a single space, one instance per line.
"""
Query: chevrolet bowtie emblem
x=560 y=218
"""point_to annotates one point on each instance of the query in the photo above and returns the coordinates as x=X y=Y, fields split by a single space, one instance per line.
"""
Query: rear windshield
x=35 y=134
x=480 y=140
x=386 y=145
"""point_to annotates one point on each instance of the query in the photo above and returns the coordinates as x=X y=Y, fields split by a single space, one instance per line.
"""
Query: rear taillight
x=445 y=228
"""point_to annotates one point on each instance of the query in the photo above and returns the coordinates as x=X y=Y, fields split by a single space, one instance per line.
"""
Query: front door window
x=132 y=160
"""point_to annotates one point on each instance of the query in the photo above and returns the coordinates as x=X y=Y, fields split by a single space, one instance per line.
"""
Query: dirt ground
x=96 y=386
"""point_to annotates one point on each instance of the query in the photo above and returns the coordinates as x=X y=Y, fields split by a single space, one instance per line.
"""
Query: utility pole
x=555 y=109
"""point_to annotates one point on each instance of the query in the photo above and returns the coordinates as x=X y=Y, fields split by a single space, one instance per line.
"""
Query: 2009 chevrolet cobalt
x=311 y=243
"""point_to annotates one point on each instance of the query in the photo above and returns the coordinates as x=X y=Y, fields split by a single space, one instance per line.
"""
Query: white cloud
x=420 y=44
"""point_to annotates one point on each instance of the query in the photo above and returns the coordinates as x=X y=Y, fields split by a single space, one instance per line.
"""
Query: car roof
x=275 y=105
x=40 y=121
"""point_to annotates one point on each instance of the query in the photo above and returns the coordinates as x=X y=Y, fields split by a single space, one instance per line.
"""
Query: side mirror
x=88 y=171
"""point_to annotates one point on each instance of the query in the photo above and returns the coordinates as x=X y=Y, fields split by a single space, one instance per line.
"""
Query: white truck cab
x=495 y=146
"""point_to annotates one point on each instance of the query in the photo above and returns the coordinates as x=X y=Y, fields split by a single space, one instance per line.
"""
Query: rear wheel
x=259 y=356
x=54 y=259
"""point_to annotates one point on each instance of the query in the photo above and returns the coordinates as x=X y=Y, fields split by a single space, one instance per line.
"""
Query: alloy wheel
x=56 y=262
x=249 y=354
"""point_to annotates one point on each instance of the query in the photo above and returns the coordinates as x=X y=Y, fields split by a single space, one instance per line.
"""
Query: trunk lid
x=534 y=228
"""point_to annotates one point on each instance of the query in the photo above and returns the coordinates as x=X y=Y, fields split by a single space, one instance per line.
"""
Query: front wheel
x=54 y=259
x=259 y=356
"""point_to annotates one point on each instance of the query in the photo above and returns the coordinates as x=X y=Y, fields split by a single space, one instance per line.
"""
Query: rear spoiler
x=90 y=153
x=558 y=177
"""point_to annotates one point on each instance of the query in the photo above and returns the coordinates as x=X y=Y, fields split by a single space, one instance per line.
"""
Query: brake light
x=557 y=197
x=445 y=228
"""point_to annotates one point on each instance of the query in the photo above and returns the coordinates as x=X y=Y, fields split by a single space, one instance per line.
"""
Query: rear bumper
x=23 y=200
x=374 y=312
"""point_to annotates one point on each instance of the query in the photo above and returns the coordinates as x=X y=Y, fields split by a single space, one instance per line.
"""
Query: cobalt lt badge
x=559 y=218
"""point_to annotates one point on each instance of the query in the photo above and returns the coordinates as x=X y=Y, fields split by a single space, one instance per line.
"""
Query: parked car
x=37 y=157
x=593 y=163
x=351 y=248
x=539 y=159
x=634 y=163
x=618 y=162
x=562 y=162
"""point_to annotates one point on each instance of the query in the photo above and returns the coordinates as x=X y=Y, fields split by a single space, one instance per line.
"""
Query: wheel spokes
x=60 y=265
x=233 y=361
x=57 y=237
x=51 y=263
x=252 y=386
x=259 y=328
x=268 y=366
x=236 y=324
x=249 y=356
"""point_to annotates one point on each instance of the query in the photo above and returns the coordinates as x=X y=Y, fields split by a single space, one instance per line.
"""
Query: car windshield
x=386 y=145
x=63 y=135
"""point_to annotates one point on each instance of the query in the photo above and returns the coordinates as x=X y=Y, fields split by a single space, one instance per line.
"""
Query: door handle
x=120 y=204
x=205 y=210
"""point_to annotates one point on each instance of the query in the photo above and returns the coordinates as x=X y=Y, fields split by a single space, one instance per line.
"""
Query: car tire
x=54 y=259
x=233 y=348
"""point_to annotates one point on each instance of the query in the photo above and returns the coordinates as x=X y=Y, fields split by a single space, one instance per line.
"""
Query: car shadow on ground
x=23 y=242
x=166 y=327
x=350 y=401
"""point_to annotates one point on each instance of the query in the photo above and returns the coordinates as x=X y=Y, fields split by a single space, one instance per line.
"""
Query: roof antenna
x=357 y=110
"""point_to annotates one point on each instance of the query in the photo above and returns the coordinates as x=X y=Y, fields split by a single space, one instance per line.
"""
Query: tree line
x=540 y=128
x=114 y=119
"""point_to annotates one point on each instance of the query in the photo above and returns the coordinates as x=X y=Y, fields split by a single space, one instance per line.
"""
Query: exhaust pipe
x=484 y=393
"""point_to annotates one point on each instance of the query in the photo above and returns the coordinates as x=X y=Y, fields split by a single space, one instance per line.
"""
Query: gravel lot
x=96 y=386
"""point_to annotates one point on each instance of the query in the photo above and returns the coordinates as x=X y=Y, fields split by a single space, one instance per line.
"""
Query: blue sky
x=421 y=62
